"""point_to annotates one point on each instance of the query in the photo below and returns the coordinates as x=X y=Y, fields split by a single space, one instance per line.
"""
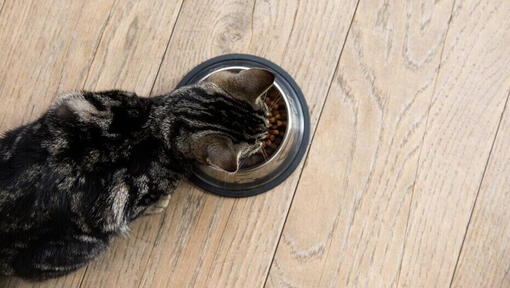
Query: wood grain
x=133 y=46
x=405 y=183
x=1 y=6
x=44 y=48
x=347 y=222
x=471 y=91
x=224 y=242
x=485 y=256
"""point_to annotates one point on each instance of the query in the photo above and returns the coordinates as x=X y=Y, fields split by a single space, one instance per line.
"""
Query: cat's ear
x=221 y=154
x=248 y=84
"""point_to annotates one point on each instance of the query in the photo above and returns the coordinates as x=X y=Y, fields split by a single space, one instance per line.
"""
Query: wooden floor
x=406 y=182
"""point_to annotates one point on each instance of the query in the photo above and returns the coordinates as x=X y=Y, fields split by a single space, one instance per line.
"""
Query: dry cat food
x=278 y=124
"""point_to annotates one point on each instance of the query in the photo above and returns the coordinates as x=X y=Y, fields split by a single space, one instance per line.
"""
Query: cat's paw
x=159 y=206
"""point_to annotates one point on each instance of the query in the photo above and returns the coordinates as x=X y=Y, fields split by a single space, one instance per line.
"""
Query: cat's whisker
x=277 y=99
x=242 y=162
x=264 y=154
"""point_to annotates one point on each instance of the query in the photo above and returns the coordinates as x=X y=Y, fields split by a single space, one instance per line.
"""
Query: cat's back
x=23 y=174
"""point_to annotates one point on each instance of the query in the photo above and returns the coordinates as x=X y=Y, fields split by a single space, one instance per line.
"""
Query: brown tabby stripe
x=203 y=112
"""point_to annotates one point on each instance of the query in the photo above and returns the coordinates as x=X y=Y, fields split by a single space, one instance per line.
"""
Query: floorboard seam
x=103 y=29
x=423 y=140
x=150 y=94
x=311 y=141
x=166 y=48
x=2 y=7
x=83 y=86
x=479 y=188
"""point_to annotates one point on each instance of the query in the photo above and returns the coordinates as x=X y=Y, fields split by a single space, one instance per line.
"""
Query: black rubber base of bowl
x=262 y=63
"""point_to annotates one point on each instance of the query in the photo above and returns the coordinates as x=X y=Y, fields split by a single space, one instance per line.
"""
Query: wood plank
x=485 y=255
x=128 y=58
x=471 y=91
x=133 y=47
x=346 y=230
x=222 y=242
x=45 y=47
x=347 y=222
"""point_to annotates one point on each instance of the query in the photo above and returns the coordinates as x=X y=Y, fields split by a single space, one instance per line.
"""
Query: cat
x=95 y=161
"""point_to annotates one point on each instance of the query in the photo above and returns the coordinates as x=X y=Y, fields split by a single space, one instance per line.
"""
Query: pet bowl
x=290 y=132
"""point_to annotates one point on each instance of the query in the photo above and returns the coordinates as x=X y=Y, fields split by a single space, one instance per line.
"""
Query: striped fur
x=95 y=161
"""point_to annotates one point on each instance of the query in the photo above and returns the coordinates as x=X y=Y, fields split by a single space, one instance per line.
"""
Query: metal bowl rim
x=262 y=63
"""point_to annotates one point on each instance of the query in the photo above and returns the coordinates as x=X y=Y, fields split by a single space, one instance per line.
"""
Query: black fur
x=95 y=161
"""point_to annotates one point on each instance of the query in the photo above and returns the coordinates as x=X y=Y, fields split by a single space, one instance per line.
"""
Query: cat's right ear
x=248 y=84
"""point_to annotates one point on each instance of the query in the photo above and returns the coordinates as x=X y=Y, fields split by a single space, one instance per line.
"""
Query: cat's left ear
x=247 y=84
x=222 y=154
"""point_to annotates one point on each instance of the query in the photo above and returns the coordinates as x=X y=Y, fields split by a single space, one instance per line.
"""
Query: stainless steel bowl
x=259 y=178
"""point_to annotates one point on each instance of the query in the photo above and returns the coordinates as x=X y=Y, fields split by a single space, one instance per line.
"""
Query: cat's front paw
x=159 y=206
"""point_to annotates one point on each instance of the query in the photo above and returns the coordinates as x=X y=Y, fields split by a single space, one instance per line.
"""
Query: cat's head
x=227 y=118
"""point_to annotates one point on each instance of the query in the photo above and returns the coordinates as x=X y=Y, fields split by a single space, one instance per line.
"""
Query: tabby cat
x=95 y=161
